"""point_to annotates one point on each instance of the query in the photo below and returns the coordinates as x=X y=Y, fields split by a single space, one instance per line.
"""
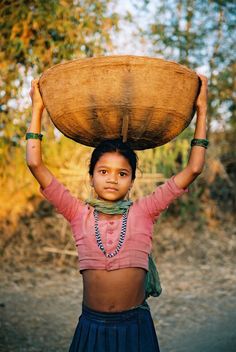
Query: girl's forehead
x=113 y=159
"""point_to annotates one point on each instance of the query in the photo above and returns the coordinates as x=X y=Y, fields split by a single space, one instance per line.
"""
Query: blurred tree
x=198 y=33
x=36 y=35
x=201 y=35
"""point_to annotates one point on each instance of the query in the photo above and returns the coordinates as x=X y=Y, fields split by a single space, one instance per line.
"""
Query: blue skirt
x=127 y=331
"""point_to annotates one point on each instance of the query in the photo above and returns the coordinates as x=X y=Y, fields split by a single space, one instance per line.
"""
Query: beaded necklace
x=121 y=238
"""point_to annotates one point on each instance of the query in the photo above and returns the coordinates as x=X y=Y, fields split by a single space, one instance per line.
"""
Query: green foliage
x=199 y=34
x=43 y=33
x=169 y=158
x=36 y=35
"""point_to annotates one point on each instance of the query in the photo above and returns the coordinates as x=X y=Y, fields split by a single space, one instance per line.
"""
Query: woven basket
x=145 y=100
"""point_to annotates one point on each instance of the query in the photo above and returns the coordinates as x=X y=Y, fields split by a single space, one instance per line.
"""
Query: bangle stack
x=199 y=142
x=31 y=135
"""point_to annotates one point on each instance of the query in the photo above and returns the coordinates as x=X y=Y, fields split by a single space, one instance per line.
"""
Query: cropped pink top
x=138 y=239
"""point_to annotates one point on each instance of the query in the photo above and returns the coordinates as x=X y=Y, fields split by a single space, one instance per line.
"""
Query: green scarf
x=119 y=207
x=152 y=280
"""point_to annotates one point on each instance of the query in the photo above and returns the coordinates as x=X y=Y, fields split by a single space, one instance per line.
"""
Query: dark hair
x=111 y=146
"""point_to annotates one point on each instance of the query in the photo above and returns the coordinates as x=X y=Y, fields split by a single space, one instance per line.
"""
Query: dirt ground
x=41 y=292
x=196 y=311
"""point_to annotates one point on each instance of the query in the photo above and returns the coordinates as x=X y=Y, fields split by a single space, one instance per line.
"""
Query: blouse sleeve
x=161 y=198
x=61 y=198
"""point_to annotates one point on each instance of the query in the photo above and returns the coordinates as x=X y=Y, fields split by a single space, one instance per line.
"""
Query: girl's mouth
x=111 y=189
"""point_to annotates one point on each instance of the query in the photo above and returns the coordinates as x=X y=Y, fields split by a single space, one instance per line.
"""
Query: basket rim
x=121 y=60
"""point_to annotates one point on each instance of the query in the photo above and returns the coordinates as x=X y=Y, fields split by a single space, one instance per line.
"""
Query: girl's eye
x=122 y=173
x=103 y=172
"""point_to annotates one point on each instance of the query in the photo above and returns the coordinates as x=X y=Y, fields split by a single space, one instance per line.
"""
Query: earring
x=128 y=194
x=91 y=196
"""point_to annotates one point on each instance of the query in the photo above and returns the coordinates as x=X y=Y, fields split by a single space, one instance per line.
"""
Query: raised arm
x=197 y=154
x=33 y=146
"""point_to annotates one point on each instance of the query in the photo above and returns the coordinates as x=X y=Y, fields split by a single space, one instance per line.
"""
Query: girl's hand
x=201 y=103
x=35 y=96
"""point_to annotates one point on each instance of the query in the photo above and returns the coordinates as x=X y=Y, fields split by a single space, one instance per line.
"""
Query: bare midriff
x=115 y=290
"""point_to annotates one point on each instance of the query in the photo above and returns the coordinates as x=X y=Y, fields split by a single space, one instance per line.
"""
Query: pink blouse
x=138 y=239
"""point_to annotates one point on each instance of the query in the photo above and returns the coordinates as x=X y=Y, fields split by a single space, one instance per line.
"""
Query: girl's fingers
x=35 y=94
x=34 y=82
x=202 y=97
x=204 y=81
x=34 y=86
x=202 y=78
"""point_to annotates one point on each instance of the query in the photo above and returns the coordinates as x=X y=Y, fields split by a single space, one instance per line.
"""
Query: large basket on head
x=146 y=101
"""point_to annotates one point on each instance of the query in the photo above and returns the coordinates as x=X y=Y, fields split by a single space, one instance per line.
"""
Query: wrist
x=202 y=109
x=37 y=109
x=37 y=115
x=202 y=114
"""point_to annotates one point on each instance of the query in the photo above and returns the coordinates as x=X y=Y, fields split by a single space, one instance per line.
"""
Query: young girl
x=113 y=236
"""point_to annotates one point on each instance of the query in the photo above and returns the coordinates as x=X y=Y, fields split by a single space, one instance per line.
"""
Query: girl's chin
x=111 y=198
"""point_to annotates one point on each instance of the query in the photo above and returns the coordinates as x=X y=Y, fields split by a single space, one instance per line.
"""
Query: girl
x=113 y=236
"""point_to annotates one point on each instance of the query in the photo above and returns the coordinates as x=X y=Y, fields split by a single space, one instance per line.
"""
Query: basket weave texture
x=147 y=101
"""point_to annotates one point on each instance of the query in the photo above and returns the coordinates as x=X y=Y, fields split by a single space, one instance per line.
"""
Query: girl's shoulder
x=159 y=200
x=61 y=197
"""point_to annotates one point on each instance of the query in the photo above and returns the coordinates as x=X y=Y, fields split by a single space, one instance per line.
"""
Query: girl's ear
x=131 y=185
x=91 y=180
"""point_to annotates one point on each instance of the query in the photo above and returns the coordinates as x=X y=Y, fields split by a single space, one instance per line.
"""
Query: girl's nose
x=112 y=179
x=115 y=182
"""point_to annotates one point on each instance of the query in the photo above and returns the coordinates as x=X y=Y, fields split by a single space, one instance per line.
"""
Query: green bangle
x=31 y=135
x=200 y=142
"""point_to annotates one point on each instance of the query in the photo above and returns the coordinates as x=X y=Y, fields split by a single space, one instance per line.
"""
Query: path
x=195 y=313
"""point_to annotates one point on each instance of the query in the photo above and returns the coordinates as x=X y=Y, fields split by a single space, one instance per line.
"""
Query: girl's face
x=112 y=177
